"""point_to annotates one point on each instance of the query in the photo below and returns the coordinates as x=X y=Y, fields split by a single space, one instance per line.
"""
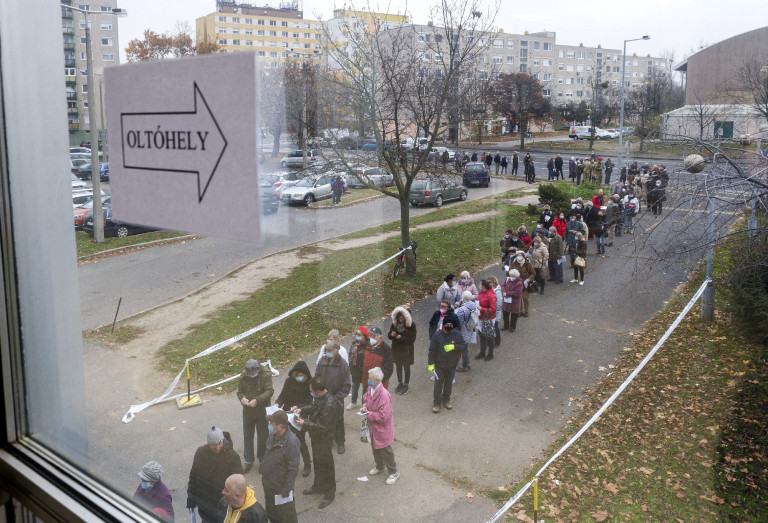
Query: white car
x=376 y=175
x=77 y=183
x=296 y=158
x=80 y=150
x=438 y=152
x=308 y=190
x=81 y=197
x=282 y=180
x=74 y=163
x=613 y=132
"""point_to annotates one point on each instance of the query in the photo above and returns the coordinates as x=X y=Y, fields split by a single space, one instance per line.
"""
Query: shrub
x=532 y=209
x=555 y=195
x=746 y=288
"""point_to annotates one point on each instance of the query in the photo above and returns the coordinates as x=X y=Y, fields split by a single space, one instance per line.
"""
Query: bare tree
x=519 y=98
x=273 y=111
x=753 y=80
x=402 y=80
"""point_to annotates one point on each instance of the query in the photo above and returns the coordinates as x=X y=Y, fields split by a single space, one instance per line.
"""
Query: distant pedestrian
x=613 y=218
x=572 y=169
x=444 y=349
x=474 y=156
x=540 y=261
x=463 y=312
x=279 y=470
x=559 y=167
x=515 y=162
x=255 y=394
x=504 y=163
x=551 y=169
x=499 y=301
x=578 y=252
x=531 y=178
x=213 y=463
x=152 y=492
x=402 y=332
x=487 y=315
x=526 y=164
x=457 y=161
x=630 y=204
x=337 y=188
x=238 y=503
x=600 y=230
x=526 y=273
x=377 y=406
x=608 y=171
x=497 y=161
x=445 y=157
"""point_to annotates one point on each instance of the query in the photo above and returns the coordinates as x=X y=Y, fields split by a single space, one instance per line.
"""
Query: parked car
x=407 y=144
x=371 y=145
x=82 y=212
x=115 y=227
x=77 y=183
x=83 y=171
x=437 y=153
x=308 y=190
x=83 y=196
x=376 y=175
x=613 y=132
x=74 y=163
x=350 y=142
x=436 y=192
x=582 y=132
x=283 y=180
x=269 y=198
x=104 y=171
x=80 y=150
x=422 y=143
x=476 y=173
x=296 y=158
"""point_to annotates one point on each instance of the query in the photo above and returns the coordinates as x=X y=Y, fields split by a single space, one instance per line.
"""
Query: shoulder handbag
x=364 y=434
x=580 y=262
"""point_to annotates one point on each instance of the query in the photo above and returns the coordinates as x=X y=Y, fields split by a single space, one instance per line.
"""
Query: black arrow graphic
x=174 y=141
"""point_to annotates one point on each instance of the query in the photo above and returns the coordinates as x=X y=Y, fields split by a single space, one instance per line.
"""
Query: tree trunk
x=521 y=129
x=405 y=235
x=275 y=144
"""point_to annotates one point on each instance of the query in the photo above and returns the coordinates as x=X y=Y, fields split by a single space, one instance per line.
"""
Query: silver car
x=376 y=175
x=296 y=158
x=308 y=190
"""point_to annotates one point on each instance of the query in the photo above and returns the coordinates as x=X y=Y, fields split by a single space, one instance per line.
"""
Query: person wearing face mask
x=540 y=261
x=443 y=357
x=402 y=332
x=152 y=492
x=556 y=252
x=338 y=381
x=559 y=223
x=377 y=406
x=526 y=274
x=333 y=337
x=486 y=329
x=546 y=216
x=576 y=208
x=447 y=290
x=466 y=283
x=463 y=312
x=572 y=168
x=505 y=243
x=296 y=392
x=280 y=468
x=255 y=393
x=574 y=225
x=578 y=249
x=444 y=313
x=522 y=233
x=378 y=355
x=499 y=300
x=356 y=360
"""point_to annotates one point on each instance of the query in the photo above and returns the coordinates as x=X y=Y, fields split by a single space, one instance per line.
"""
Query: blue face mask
x=313 y=395
x=370 y=383
x=146 y=485
x=463 y=281
x=270 y=428
x=299 y=378
x=328 y=355
x=359 y=338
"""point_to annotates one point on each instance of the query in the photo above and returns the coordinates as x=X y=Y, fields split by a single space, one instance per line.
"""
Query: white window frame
x=108 y=40
x=108 y=57
x=106 y=26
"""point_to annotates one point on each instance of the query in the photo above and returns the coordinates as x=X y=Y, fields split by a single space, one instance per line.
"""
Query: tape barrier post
x=535 y=500
x=166 y=396
x=607 y=403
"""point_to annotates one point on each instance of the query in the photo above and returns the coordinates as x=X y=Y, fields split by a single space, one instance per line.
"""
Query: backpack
x=472 y=321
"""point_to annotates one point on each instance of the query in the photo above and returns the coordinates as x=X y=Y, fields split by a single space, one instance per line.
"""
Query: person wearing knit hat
x=254 y=391
x=214 y=462
x=360 y=344
x=152 y=492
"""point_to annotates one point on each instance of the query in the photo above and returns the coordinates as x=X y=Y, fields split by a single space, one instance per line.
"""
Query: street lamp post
x=98 y=212
x=623 y=77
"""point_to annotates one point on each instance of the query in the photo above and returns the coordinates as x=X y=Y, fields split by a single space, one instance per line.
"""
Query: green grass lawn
x=86 y=245
x=352 y=195
x=365 y=301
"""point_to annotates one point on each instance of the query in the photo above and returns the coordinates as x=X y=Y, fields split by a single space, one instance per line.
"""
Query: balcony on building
x=69 y=62
x=67 y=14
x=68 y=28
x=70 y=80
x=74 y=126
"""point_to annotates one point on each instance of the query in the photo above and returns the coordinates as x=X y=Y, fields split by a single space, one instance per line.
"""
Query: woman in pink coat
x=512 y=292
x=377 y=405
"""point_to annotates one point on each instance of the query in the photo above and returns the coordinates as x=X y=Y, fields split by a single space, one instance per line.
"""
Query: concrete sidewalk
x=505 y=412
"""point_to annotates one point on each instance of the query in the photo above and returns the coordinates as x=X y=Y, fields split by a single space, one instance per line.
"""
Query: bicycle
x=400 y=259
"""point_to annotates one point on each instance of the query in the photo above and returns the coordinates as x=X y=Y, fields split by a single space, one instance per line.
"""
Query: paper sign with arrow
x=184 y=141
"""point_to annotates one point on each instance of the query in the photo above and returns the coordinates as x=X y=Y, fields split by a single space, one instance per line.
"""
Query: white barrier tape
x=609 y=401
x=135 y=409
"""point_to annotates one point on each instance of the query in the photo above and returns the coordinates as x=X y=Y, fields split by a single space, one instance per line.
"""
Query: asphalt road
x=152 y=277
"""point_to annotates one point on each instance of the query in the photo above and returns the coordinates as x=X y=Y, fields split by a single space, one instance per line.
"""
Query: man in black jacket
x=444 y=350
x=515 y=163
x=214 y=462
x=319 y=419
x=279 y=469
x=255 y=394
x=559 y=167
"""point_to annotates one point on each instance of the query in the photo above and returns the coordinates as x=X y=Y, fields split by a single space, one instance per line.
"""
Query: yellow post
x=535 y=500
x=190 y=400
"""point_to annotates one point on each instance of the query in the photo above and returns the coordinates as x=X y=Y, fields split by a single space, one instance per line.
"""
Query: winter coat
x=338 y=381
x=402 y=348
x=445 y=293
x=513 y=289
x=613 y=215
x=474 y=157
x=571 y=168
x=156 y=497
x=209 y=472
x=631 y=205
x=551 y=164
x=505 y=244
x=504 y=161
x=294 y=393
x=463 y=314
x=573 y=211
x=342 y=352
x=540 y=256
x=546 y=218
x=381 y=421
x=572 y=228
x=435 y=323
x=441 y=358
x=608 y=167
x=515 y=160
x=526 y=239
x=559 y=163
x=578 y=249
x=497 y=159
x=499 y=301
x=555 y=248
x=598 y=201
x=381 y=357
x=259 y=389
x=251 y=512
x=320 y=417
x=488 y=160
x=560 y=226
x=487 y=302
x=469 y=286
x=591 y=218
x=601 y=226
x=526 y=269
x=357 y=357
x=597 y=168
x=281 y=463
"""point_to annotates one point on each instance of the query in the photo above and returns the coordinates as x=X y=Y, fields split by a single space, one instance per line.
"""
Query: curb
x=349 y=204
x=146 y=245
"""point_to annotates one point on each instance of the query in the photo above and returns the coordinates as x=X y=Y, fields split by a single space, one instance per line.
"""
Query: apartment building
x=106 y=51
x=273 y=33
x=349 y=25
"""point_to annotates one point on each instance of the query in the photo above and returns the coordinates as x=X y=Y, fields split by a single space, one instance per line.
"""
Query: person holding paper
x=296 y=392
x=255 y=392
x=511 y=292
x=444 y=350
x=279 y=469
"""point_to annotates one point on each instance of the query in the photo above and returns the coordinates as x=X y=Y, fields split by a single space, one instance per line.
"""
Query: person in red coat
x=598 y=200
x=379 y=354
x=559 y=223
x=524 y=237
x=486 y=330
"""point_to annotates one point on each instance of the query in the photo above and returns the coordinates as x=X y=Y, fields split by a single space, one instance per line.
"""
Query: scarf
x=233 y=515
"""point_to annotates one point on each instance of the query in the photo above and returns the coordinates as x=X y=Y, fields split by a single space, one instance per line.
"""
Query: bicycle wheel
x=397 y=268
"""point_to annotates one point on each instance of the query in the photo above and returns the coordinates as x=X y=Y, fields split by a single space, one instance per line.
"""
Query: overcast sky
x=674 y=25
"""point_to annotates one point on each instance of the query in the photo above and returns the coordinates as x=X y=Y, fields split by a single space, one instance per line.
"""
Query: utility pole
x=623 y=81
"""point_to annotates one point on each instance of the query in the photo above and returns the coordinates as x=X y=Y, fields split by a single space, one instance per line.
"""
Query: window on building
x=273 y=33
x=249 y=42
x=523 y=43
x=84 y=88
x=524 y=54
x=547 y=46
x=589 y=55
x=599 y=55
x=84 y=7
x=569 y=54
x=273 y=22
x=259 y=22
x=235 y=31
x=536 y=61
x=546 y=92
x=249 y=32
x=579 y=68
x=635 y=63
x=249 y=21
x=560 y=54
x=108 y=57
x=559 y=93
x=580 y=80
x=295 y=35
x=222 y=19
x=568 y=81
x=82 y=40
x=547 y=77
x=560 y=67
x=262 y=53
x=235 y=19
x=560 y=80
x=569 y=94
x=498 y=60
x=569 y=68
x=70 y=71
x=438 y=57
x=580 y=55
x=510 y=59
x=236 y=42
x=284 y=34
x=106 y=26
x=260 y=32
x=547 y=62
x=483 y=75
x=284 y=24
x=423 y=37
x=273 y=54
x=535 y=75
x=438 y=73
x=616 y=68
x=482 y=59
x=536 y=46
x=498 y=43
x=222 y=41
x=510 y=43
x=579 y=93
x=106 y=42
x=523 y=68
x=221 y=30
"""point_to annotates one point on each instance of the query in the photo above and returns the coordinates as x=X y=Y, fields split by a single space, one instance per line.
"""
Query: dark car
x=84 y=172
x=115 y=227
x=104 y=171
x=436 y=192
x=476 y=173
x=270 y=198
x=350 y=142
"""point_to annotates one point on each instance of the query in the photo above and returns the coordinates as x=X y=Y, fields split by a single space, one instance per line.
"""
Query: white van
x=581 y=132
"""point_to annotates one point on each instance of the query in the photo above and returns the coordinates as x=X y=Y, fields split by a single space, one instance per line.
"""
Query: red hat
x=365 y=332
x=600 y=159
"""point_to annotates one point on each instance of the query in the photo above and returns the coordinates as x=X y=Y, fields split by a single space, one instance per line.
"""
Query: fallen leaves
x=600 y=515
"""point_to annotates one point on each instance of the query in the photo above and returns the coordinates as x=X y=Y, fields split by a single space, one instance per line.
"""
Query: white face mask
x=520 y=259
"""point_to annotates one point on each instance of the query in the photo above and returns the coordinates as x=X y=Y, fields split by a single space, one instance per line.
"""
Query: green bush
x=555 y=195
x=532 y=209
x=746 y=287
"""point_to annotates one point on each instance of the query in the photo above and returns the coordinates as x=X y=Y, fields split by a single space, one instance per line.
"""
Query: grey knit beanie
x=215 y=436
x=151 y=471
